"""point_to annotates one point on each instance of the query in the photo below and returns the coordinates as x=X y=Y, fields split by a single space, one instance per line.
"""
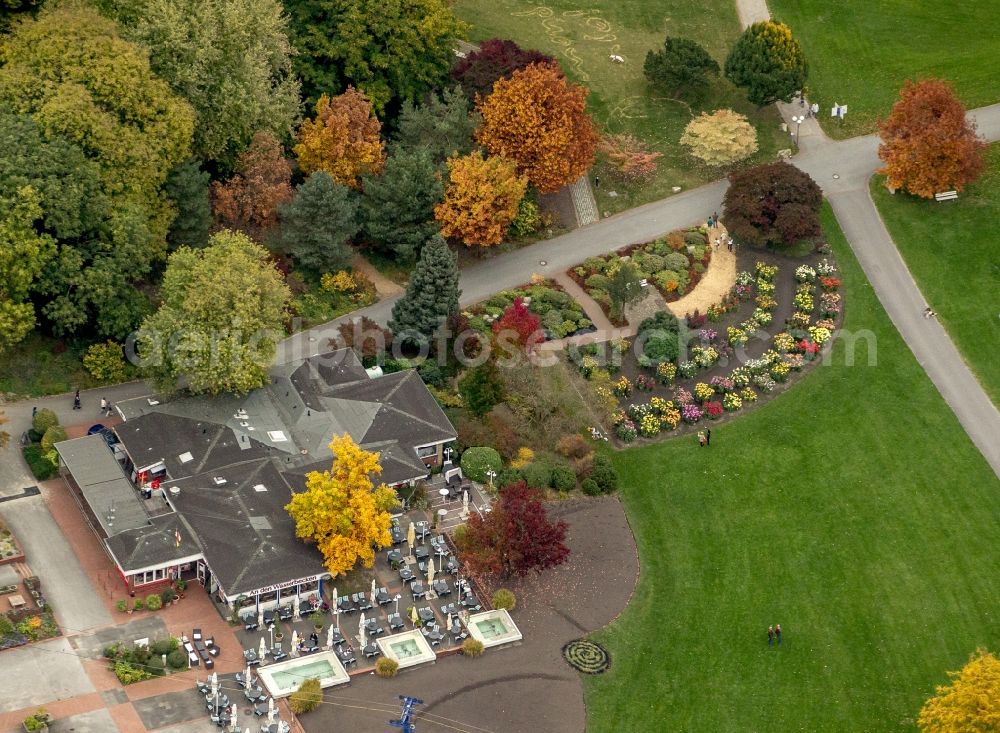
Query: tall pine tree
x=319 y=221
x=187 y=188
x=431 y=295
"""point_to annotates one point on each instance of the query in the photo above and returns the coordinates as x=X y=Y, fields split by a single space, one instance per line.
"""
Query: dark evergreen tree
x=768 y=62
x=443 y=125
x=481 y=388
x=397 y=209
x=431 y=295
x=772 y=205
x=682 y=67
x=318 y=223
x=187 y=187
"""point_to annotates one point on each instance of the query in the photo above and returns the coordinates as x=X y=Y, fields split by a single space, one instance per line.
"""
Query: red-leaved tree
x=496 y=59
x=249 y=200
x=514 y=539
x=928 y=145
x=518 y=325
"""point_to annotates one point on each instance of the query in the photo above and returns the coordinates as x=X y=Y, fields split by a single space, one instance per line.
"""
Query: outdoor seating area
x=200 y=650
x=223 y=703
x=415 y=586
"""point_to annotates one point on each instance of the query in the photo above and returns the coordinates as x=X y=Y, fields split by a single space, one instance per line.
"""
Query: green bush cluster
x=386 y=667
x=503 y=598
x=106 y=362
x=41 y=464
x=560 y=314
x=604 y=475
x=307 y=697
x=472 y=648
x=477 y=461
x=43 y=420
x=128 y=673
x=55 y=434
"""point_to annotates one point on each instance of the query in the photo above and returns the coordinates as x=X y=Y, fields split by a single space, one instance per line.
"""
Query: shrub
x=481 y=388
x=42 y=466
x=154 y=602
x=122 y=605
x=538 y=475
x=43 y=420
x=509 y=476
x=604 y=474
x=386 y=667
x=773 y=204
x=477 y=461
x=106 y=362
x=582 y=467
x=472 y=648
x=139 y=604
x=675 y=261
x=307 y=697
x=163 y=646
x=572 y=446
x=563 y=479
x=504 y=598
x=177 y=659
x=127 y=673
x=53 y=435
x=430 y=373
x=155 y=666
x=589 y=487
x=37 y=721
x=524 y=456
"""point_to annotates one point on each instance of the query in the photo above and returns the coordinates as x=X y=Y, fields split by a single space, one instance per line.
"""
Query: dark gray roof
x=247 y=536
x=111 y=496
x=154 y=544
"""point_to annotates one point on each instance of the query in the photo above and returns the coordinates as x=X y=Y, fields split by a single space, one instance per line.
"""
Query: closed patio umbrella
x=329 y=638
x=262 y=649
x=232 y=717
x=246 y=682
x=260 y=617
x=449 y=621
x=295 y=607
x=270 y=709
x=214 y=682
x=361 y=627
x=430 y=572
x=374 y=590
x=414 y=616
x=295 y=643
x=411 y=536
x=362 y=639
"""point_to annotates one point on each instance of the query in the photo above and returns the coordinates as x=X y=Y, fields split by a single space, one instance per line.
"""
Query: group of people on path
x=106 y=407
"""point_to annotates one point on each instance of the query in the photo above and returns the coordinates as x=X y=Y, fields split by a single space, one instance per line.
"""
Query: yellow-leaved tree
x=341 y=511
x=970 y=704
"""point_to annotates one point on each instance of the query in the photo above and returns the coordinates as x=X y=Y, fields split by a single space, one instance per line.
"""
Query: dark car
x=105 y=432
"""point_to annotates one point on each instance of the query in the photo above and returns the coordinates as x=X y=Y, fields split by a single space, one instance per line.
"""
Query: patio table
x=405 y=574
x=254 y=694
x=383 y=598
x=397 y=534
x=371 y=650
x=421 y=553
x=441 y=587
x=426 y=614
x=394 y=557
x=418 y=590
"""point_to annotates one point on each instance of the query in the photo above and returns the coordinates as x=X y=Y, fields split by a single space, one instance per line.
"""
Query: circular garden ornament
x=586 y=656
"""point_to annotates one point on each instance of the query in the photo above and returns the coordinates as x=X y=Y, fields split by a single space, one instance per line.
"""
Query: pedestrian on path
x=701 y=438
x=76 y=400
x=777 y=633
x=708 y=436
x=104 y=407
x=814 y=110
x=715 y=217
x=729 y=243
x=597 y=181
x=709 y=222
x=34 y=411
x=770 y=635
x=928 y=313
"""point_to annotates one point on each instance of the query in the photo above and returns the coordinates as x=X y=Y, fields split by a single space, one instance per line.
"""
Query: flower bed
x=561 y=316
x=716 y=375
x=673 y=265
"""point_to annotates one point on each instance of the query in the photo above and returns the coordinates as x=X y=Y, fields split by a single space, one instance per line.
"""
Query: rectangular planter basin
x=493 y=628
x=408 y=649
x=284 y=678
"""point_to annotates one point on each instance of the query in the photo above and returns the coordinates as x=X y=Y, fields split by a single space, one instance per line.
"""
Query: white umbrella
x=374 y=591
x=430 y=571
x=270 y=709
x=214 y=682
x=411 y=536
x=295 y=643
x=262 y=650
x=361 y=627
x=362 y=639
x=232 y=716
x=295 y=607
x=246 y=682
x=449 y=621
x=465 y=503
x=260 y=617
x=329 y=638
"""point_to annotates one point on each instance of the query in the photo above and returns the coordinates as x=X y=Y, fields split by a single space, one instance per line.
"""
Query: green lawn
x=852 y=510
x=582 y=37
x=953 y=251
x=861 y=51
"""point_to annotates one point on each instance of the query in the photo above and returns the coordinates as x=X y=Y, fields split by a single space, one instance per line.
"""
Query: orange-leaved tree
x=250 y=199
x=343 y=139
x=481 y=199
x=970 y=704
x=540 y=121
x=341 y=511
x=928 y=146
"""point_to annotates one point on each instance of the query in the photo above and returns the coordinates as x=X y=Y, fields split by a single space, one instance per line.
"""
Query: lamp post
x=491 y=474
x=798 y=120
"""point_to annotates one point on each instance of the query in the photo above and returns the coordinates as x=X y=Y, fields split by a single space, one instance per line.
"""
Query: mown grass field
x=582 y=37
x=953 y=251
x=852 y=510
x=861 y=51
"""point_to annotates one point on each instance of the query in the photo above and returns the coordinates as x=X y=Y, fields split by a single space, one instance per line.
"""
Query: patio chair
x=202 y=687
x=285 y=613
x=211 y=647
x=196 y=634
x=260 y=709
x=277 y=653
x=249 y=623
x=209 y=663
x=452 y=566
x=405 y=574
x=395 y=621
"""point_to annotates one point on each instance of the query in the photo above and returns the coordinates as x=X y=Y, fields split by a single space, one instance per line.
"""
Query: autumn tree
x=341 y=511
x=431 y=295
x=390 y=51
x=443 y=126
x=24 y=253
x=231 y=61
x=250 y=199
x=408 y=189
x=539 y=120
x=496 y=58
x=773 y=204
x=481 y=199
x=970 y=703
x=223 y=312
x=318 y=224
x=187 y=187
x=928 y=145
x=768 y=62
x=343 y=139
x=629 y=159
x=481 y=388
x=683 y=66
x=515 y=538
x=720 y=138
x=518 y=326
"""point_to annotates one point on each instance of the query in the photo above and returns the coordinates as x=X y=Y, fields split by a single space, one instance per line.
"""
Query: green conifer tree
x=431 y=295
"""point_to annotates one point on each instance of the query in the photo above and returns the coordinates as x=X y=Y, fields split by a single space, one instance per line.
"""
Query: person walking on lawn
x=770 y=635
x=777 y=633
x=708 y=437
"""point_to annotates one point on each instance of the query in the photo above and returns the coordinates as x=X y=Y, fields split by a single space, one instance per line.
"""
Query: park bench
x=946 y=196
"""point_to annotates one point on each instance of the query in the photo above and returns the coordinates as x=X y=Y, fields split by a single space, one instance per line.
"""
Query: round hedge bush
x=538 y=475
x=386 y=667
x=563 y=479
x=589 y=487
x=154 y=602
x=43 y=420
x=177 y=659
x=504 y=598
x=472 y=648
x=477 y=461
x=54 y=434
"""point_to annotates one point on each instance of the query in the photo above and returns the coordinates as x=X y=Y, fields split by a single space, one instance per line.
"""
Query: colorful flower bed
x=672 y=264
x=561 y=316
x=816 y=308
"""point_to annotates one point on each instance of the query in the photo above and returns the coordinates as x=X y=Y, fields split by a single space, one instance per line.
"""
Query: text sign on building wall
x=287 y=584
